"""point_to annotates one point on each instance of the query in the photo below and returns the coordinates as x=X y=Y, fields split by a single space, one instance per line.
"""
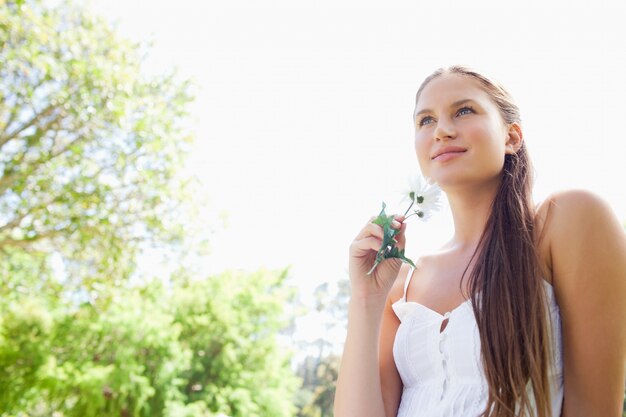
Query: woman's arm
x=368 y=382
x=359 y=390
x=588 y=250
x=391 y=383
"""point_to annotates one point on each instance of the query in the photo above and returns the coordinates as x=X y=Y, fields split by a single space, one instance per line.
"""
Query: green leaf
x=388 y=248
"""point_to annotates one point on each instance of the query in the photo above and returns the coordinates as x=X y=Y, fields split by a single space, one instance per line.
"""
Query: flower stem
x=407 y=210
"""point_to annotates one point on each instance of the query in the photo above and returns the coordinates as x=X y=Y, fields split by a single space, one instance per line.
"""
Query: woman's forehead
x=450 y=88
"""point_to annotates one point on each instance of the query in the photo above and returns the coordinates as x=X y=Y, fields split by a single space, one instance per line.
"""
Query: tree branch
x=9 y=122
x=14 y=112
x=45 y=112
x=19 y=218
x=26 y=243
x=6 y=181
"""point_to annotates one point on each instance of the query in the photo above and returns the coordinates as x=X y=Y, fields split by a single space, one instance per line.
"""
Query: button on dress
x=442 y=371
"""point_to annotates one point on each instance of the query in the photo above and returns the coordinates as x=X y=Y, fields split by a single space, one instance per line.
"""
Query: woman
x=523 y=309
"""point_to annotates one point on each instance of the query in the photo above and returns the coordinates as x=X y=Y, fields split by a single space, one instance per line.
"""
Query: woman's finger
x=364 y=245
x=371 y=229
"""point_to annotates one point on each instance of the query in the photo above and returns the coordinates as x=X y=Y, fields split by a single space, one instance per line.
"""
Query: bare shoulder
x=397 y=290
x=575 y=222
x=573 y=212
x=587 y=246
x=575 y=202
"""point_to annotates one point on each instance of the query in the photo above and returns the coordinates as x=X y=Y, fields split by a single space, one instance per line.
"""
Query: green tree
x=90 y=151
x=231 y=324
x=90 y=145
x=319 y=370
x=195 y=348
x=25 y=339
x=321 y=402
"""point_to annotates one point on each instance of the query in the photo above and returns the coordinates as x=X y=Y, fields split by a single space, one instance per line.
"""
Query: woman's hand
x=363 y=252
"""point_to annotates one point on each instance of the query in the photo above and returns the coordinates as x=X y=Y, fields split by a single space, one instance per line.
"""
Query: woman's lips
x=447 y=156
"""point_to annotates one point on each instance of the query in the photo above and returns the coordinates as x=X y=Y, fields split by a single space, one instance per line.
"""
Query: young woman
x=521 y=313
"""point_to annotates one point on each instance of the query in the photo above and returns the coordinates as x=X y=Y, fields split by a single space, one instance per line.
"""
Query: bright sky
x=303 y=113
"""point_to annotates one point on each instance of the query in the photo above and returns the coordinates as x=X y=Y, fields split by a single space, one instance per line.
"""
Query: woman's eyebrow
x=455 y=104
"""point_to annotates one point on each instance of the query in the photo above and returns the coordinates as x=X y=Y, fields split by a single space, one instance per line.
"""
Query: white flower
x=423 y=195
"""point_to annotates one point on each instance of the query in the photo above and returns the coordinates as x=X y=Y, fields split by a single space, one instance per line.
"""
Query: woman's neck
x=471 y=207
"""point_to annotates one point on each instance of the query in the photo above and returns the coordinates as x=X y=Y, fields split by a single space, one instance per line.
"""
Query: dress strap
x=407 y=281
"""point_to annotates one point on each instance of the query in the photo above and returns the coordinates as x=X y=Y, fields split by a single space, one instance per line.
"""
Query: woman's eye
x=464 y=110
x=425 y=120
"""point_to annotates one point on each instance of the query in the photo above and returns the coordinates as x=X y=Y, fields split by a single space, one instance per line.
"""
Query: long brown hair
x=508 y=297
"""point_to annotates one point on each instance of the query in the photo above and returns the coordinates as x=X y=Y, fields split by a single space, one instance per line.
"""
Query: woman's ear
x=514 y=138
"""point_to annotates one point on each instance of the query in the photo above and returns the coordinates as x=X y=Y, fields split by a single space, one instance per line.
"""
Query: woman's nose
x=445 y=129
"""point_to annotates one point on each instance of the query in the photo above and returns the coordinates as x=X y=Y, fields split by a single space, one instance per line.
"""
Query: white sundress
x=442 y=371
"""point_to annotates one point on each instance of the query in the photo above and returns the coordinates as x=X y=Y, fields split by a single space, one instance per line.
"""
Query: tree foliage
x=90 y=154
x=319 y=370
x=90 y=145
x=195 y=347
x=317 y=393
x=238 y=367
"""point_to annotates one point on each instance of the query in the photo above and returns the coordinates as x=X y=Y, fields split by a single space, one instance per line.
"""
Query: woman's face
x=456 y=115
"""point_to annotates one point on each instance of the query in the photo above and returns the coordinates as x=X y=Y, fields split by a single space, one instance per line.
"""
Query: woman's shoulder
x=588 y=250
x=567 y=208
x=574 y=195
x=572 y=224
x=397 y=291
x=563 y=217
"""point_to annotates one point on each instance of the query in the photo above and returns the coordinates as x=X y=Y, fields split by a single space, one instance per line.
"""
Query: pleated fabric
x=442 y=372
